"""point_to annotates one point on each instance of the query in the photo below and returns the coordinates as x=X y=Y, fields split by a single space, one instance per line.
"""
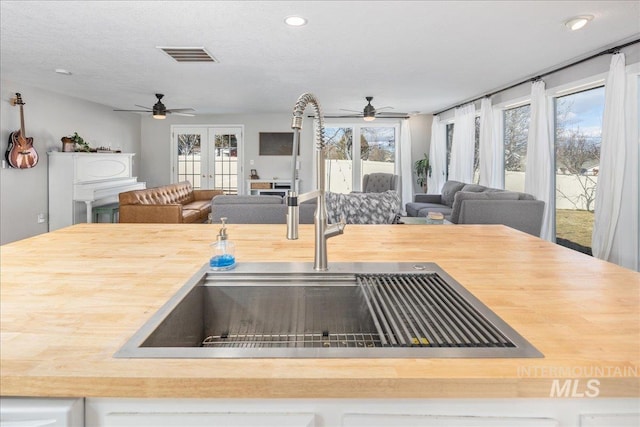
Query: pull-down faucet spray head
x=323 y=231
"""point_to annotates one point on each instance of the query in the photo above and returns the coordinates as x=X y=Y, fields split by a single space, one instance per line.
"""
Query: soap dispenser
x=223 y=251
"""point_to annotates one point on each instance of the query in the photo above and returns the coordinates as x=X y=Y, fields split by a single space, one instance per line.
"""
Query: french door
x=208 y=157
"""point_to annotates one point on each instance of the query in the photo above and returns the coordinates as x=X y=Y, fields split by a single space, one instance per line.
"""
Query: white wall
x=420 y=127
x=48 y=117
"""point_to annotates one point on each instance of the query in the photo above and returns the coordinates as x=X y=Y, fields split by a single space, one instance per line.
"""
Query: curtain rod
x=612 y=50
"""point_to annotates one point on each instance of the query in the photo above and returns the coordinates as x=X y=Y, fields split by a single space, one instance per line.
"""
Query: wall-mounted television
x=276 y=144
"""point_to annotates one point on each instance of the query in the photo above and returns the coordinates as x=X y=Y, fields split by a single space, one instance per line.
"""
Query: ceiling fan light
x=578 y=22
x=295 y=21
x=369 y=112
x=159 y=110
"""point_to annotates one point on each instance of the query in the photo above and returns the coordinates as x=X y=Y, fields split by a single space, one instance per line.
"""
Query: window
x=578 y=136
x=516 y=131
x=189 y=147
x=476 y=153
x=339 y=156
x=208 y=156
x=376 y=152
x=225 y=172
x=449 y=136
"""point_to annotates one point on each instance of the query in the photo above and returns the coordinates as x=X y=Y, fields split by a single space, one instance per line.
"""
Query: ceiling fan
x=369 y=113
x=159 y=111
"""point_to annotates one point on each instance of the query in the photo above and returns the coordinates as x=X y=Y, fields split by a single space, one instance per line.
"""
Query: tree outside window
x=376 y=151
x=578 y=136
x=516 y=132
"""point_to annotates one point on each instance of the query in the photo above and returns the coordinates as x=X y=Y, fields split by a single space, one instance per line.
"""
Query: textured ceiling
x=411 y=55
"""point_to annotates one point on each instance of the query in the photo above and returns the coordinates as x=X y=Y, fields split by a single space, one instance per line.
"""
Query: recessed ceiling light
x=578 y=22
x=295 y=21
x=63 y=71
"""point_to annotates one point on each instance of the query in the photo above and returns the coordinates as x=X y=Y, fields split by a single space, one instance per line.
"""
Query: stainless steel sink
x=360 y=310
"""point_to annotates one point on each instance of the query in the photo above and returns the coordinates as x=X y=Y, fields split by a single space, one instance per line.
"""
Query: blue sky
x=586 y=110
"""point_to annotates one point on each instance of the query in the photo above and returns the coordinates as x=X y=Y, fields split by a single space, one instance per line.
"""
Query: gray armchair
x=379 y=182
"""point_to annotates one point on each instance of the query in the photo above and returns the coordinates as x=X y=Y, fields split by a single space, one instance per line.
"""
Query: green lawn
x=574 y=227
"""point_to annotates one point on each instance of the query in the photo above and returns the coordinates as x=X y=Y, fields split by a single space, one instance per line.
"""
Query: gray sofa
x=354 y=208
x=257 y=210
x=475 y=204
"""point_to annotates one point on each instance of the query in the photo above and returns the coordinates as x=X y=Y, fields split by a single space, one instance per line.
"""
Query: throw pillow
x=449 y=190
x=467 y=195
x=474 y=188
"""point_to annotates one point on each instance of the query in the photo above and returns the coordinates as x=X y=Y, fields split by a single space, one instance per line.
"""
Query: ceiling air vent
x=188 y=54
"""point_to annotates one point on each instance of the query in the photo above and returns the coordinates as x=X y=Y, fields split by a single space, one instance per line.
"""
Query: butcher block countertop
x=71 y=298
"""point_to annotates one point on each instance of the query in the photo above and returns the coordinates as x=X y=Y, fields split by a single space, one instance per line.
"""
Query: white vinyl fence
x=572 y=191
x=340 y=173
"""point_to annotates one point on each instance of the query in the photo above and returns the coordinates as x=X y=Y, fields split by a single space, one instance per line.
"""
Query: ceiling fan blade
x=136 y=111
x=384 y=108
x=142 y=106
x=392 y=114
x=353 y=111
x=181 y=114
x=177 y=110
x=343 y=116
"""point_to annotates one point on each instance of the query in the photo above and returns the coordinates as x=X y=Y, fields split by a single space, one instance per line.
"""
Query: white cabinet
x=208 y=419
x=408 y=420
x=194 y=413
x=41 y=412
x=521 y=412
x=609 y=420
x=275 y=187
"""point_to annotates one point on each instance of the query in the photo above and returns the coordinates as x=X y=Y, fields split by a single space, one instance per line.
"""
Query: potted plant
x=68 y=144
x=422 y=169
x=80 y=143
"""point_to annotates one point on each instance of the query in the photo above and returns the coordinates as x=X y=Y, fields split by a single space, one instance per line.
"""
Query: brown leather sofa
x=175 y=203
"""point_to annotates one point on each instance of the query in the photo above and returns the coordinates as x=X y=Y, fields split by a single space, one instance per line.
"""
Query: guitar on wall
x=20 y=152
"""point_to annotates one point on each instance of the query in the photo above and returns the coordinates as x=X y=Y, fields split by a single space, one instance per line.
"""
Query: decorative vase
x=68 y=145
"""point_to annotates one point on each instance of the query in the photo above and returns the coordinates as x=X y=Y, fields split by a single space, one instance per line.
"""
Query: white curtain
x=615 y=233
x=539 y=173
x=406 y=166
x=463 y=146
x=491 y=148
x=437 y=157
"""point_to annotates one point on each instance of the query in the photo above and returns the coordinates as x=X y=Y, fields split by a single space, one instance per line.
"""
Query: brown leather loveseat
x=174 y=203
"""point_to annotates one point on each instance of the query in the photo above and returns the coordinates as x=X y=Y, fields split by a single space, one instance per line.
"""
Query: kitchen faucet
x=323 y=231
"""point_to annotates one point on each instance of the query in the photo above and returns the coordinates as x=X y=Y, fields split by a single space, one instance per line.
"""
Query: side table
x=419 y=220
x=112 y=210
